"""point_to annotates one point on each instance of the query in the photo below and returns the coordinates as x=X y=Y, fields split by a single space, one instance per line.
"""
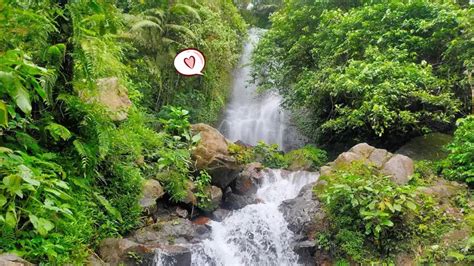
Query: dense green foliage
x=373 y=219
x=359 y=70
x=459 y=165
x=269 y=155
x=258 y=12
x=71 y=172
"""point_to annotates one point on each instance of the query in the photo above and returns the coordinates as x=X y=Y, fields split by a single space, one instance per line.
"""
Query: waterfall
x=258 y=233
x=251 y=117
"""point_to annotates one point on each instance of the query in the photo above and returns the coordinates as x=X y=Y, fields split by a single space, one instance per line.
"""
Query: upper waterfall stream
x=250 y=117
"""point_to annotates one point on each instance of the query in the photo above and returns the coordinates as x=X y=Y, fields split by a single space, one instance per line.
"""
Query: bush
x=267 y=154
x=308 y=158
x=368 y=212
x=459 y=165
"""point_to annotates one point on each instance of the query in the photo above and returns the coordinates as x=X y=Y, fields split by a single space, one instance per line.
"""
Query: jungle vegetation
x=70 y=173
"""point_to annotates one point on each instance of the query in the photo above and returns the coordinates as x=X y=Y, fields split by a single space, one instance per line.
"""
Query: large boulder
x=7 y=259
x=212 y=154
x=151 y=192
x=212 y=143
x=170 y=232
x=117 y=251
x=400 y=168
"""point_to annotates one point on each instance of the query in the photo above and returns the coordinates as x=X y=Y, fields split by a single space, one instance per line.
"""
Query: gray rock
x=247 y=181
x=152 y=191
x=400 y=168
x=175 y=231
x=183 y=213
x=8 y=259
x=215 y=197
x=224 y=170
x=379 y=156
x=346 y=158
x=173 y=256
x=303 y=212
x=305 y=250
x=115 y=250
x=234 y=201
x=220 y=214
x=362 y=149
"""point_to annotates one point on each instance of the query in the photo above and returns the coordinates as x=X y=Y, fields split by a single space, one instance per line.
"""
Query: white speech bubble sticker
x=189 y=62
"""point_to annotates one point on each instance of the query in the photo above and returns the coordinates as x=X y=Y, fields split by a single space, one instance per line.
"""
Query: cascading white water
x=250 y=117
x=257 y=234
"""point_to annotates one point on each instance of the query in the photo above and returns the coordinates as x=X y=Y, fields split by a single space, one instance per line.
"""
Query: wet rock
x=173 y=256
x=304 y=212
x=175 y=231
x=400 y=169
x=379 y=157
x=223 y=170
x=362 y=149
x=8 y=259
x=151 y=191
x=220 y=214
x=305 y=250
x=234 y=201
x=247 y=181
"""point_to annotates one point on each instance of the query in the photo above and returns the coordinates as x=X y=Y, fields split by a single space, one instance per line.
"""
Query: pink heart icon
x=190 y=61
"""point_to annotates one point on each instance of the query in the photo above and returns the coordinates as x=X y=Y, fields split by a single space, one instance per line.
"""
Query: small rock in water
x=220 y=214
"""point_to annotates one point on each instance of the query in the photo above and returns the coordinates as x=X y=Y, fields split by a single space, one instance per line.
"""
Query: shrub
x=267 y=154
x=366 y=208
x=459 y=165
x=308 y=157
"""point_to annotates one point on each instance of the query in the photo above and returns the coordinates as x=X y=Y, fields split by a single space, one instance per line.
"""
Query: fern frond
x=186 y=10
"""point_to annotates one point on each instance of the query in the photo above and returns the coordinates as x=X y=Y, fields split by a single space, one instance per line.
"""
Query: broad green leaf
x=41 y=225
x=58 y=131
x=3 y=200
x=27 y=175
x=10 y=217
x=3 y=114
x=21 y=97
x=12 y=184
x=410 y=205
